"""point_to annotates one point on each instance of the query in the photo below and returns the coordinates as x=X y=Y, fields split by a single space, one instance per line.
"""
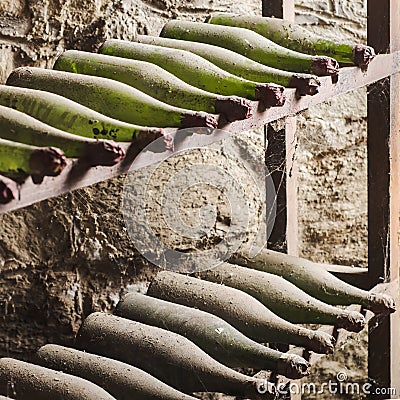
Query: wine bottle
x=111 y=98
x=166 y=355
x=196 y=71
x=212 y=334
x=18 y=158
x=121 y=380
x=23 y=128
x=283 y=298
x=295 y=37
x=252 y=45
x=239 y=309
x=154 y=81
x=239 y=65
x=25 y=381
x=72 y=117
x=316 y=280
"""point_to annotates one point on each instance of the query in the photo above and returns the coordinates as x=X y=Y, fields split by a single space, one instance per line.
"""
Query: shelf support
x=384 y=195
x=284 y=234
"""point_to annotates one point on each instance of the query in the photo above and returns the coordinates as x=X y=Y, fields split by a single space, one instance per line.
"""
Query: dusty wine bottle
x=114 y=99
x=283 y=298
x=239 y=309
x=297 y=38
x=239 y=65
x=21 y=127
x=25 y=381
x=121 y=380
x=72 y=117
x=166 y=355
x=212 y=334
x=197 y=71
x=316 y=280
x=252 y=45
x=154 y=81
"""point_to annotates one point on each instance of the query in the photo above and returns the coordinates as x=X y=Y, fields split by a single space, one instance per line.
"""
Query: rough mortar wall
x=66 y=257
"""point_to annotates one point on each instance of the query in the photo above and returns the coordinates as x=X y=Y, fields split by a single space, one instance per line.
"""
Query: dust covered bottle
x=166 y=355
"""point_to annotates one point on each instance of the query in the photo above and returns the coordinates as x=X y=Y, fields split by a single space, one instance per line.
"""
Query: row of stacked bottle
x=194 y=75
x=191 y=333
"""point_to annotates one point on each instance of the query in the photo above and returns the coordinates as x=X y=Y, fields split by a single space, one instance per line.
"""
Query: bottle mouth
x=293 y=366
x=199 y=119
x=306 y=85
x=234 y=108
x=270 y=94
x=48 y=161
x=351 y=321
x=104 y=152
x=8 y=190
x=363 y=55
x=321 y=342
x=151 y=136
x=324 y=66
x=381 y=304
